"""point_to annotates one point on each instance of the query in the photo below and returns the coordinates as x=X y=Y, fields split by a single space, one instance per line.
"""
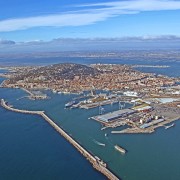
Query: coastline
x=98 y=164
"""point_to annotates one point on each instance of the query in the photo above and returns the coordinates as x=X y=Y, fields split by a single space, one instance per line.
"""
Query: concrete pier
x=95 y=161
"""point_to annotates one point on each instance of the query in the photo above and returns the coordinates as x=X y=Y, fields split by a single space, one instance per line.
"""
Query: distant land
x=91 y=44
x=124 y=54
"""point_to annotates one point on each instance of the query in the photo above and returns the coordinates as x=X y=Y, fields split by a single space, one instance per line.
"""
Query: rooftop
x=114 y=115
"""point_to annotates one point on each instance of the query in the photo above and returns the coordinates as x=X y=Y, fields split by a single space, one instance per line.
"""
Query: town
x=154 y=100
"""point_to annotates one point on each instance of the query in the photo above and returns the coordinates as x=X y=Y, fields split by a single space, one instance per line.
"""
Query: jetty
x=34 y=96
x=96 y=162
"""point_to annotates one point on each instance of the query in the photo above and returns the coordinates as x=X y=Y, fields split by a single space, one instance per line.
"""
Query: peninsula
x=154 y=99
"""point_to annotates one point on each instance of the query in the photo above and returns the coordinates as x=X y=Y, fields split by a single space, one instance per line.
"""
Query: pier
x=94 y=160
x=34 y=96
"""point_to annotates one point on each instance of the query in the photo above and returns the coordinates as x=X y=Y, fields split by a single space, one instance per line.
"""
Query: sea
x=30 y=149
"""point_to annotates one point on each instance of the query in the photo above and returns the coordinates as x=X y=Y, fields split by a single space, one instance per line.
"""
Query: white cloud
x=91 y=14
x=50 y=20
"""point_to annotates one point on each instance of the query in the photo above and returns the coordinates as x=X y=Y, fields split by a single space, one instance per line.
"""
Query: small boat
x=100 y=144
x=120 y=149
x=167 y=127
x=103 y=128
x=106 y=134
x=69 y=104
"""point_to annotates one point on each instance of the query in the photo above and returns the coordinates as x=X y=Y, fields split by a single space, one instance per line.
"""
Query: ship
x=70 y=104
x=120 y=149
x=167 y=127
x=100 y=144
x=130 y=93
x=100 y=162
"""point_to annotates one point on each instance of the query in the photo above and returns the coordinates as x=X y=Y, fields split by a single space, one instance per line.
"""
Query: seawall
x=95 y=161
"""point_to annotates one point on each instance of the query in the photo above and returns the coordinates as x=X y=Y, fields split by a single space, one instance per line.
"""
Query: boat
x=120 y=149
x=69 y=104
x=167 y=127
x=100 y=162
x=130 y=93
x=106 y=134
x=100 y=144
x=103 y=128
x=54 y=91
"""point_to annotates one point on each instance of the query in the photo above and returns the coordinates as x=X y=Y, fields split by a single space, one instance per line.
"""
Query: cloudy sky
x=33 y=20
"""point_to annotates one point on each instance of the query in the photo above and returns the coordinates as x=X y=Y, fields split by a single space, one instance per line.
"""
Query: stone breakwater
x=95 y=161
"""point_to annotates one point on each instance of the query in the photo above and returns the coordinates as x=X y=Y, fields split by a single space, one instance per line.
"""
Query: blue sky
x=30 y=20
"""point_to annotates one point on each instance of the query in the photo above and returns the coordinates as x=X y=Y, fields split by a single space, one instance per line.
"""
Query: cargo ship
x=120 y=149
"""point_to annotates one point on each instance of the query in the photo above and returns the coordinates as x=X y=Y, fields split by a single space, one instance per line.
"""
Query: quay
x=94 y=160
x=34 y=96
x=27 y=91
x=151 y=129
x=102 y=103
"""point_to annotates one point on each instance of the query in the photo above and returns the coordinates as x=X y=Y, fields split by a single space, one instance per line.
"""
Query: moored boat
x=69 y=104
x=167 y=127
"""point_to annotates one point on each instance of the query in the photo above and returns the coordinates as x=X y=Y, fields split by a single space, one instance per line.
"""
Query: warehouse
x=114 y=115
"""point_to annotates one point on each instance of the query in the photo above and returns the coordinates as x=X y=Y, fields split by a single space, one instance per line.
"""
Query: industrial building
x=146 y=125
x=142 y=108
x=114 y=115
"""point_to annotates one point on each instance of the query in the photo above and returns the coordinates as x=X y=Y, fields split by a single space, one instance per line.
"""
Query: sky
x=35 y=20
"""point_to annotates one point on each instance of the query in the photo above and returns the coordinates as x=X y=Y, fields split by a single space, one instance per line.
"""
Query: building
x=142 y=108
x=114 y=115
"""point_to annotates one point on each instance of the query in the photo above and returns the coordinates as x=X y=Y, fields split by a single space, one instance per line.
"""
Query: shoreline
x=98 y=164
x=150 y=66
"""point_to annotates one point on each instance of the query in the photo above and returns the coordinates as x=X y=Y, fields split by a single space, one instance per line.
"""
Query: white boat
x=100 y=144
x=130 y=93
x=167 y=127
x=120 y=149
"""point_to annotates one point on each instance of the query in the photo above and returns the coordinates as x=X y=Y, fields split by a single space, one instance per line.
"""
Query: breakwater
x=27 y=91
x=97 y=163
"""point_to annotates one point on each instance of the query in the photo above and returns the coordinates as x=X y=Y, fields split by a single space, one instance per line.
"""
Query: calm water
x=31 y=149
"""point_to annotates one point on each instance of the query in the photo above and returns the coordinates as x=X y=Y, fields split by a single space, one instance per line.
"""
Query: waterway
x=31 y=149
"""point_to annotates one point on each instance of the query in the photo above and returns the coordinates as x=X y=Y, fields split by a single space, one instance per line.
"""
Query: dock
x=34 y=96
x=98 y=164
x=150 y=129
